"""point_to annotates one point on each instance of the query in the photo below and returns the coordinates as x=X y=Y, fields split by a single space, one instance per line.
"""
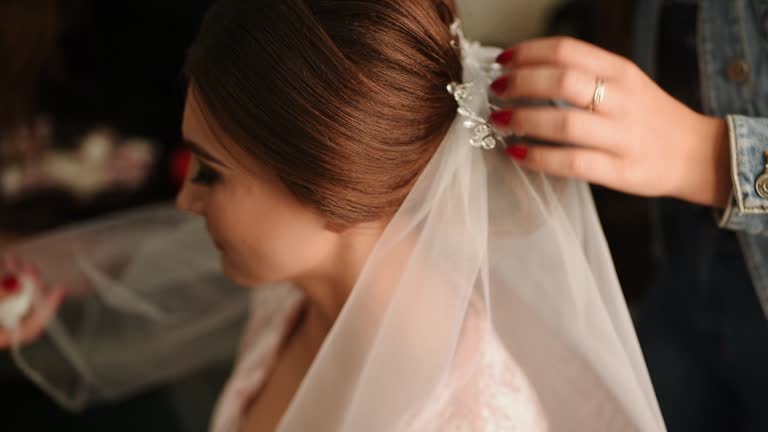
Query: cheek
x=267 y=239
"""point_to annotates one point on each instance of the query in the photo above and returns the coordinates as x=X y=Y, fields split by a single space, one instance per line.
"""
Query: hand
x=38 y=318
x=638 y=140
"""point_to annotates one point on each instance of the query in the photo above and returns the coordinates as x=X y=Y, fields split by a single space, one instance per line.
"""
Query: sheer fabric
x=478 y=243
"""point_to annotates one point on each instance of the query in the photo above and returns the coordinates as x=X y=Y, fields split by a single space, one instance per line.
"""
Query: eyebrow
x=200 y=151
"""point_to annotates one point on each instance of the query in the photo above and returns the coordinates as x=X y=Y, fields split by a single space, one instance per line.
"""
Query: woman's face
x=263 y=232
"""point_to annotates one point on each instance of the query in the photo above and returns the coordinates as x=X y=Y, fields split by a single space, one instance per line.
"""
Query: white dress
x=486 y=391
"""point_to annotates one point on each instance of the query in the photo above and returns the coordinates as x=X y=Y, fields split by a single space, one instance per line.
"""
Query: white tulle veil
x=475 y=229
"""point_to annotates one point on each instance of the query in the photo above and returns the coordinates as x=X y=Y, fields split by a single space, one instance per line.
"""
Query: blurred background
x=91 y=96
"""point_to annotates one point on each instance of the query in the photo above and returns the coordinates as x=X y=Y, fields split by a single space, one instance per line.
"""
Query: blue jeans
x=703 y=332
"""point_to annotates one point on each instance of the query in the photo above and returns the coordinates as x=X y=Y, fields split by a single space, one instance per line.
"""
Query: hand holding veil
x=476 y=233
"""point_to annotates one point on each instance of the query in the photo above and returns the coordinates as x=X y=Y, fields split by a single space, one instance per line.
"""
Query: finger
x=52 y=303
x=13 y=280
x=31 y=329
x=55 y=297
x=12 y=263
x=568 y=52
x=34 y=324
x=566 y=126
x=32 y=270
x=551 y=83
x=28 y=329
x=585 y=164
x=9 y=285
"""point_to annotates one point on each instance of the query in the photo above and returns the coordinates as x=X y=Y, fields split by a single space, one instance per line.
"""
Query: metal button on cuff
x=761 y=185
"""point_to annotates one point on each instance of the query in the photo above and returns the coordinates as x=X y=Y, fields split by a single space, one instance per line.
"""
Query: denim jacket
x=732 y=45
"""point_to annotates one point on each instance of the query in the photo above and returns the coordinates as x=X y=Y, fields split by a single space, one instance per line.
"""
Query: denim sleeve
x=747 y=211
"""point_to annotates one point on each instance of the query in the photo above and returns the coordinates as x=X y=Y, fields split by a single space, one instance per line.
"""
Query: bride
x=406 y=276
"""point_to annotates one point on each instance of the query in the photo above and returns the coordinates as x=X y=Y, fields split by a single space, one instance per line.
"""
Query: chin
x=232 y=274
x=242 y=278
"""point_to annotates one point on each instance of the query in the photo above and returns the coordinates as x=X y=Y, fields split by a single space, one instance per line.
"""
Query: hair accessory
x=484 y=136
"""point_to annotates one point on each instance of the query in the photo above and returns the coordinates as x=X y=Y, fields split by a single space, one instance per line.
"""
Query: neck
x=328 y=288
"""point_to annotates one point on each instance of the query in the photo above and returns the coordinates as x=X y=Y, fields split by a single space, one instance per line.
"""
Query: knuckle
x=627 y=69
x=563 y=81
x=563 y=46
x=522 y=49
x=533 y=158
x=517 y=122
x=567 y=125
x=625 y=175
x=516 y=82
x=578 y=164
x=559 y=51
x=569 y=84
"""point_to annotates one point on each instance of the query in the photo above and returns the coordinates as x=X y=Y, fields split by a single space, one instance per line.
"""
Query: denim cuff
x=747 y=210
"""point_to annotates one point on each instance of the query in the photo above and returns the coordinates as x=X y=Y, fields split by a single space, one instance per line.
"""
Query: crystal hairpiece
x=484 y=135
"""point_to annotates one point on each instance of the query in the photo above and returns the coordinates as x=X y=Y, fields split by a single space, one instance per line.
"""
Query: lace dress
x=486 y=391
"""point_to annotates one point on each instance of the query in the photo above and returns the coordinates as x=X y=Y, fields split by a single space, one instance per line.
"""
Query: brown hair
x=345 y=99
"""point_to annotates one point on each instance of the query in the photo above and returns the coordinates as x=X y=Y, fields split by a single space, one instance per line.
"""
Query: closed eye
x=205 y=175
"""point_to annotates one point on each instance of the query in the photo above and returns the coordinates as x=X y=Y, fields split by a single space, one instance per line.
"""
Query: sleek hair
x=344 y=99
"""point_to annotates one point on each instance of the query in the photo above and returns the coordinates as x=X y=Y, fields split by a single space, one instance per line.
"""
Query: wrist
x=706 y=167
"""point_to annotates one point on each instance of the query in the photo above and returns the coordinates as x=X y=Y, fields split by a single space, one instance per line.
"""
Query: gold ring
x=598 y=96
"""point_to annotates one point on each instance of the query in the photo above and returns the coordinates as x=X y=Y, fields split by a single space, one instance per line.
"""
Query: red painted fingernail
x=506 y=57
x=500 y=85
x=517 y=152
x=501 y=117
x=10 y=284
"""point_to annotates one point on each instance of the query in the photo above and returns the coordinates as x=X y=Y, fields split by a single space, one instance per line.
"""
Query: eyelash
x=205 y=175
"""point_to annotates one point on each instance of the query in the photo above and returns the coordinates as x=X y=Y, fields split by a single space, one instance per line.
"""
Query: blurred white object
x=14 y=307
x=102 y=161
